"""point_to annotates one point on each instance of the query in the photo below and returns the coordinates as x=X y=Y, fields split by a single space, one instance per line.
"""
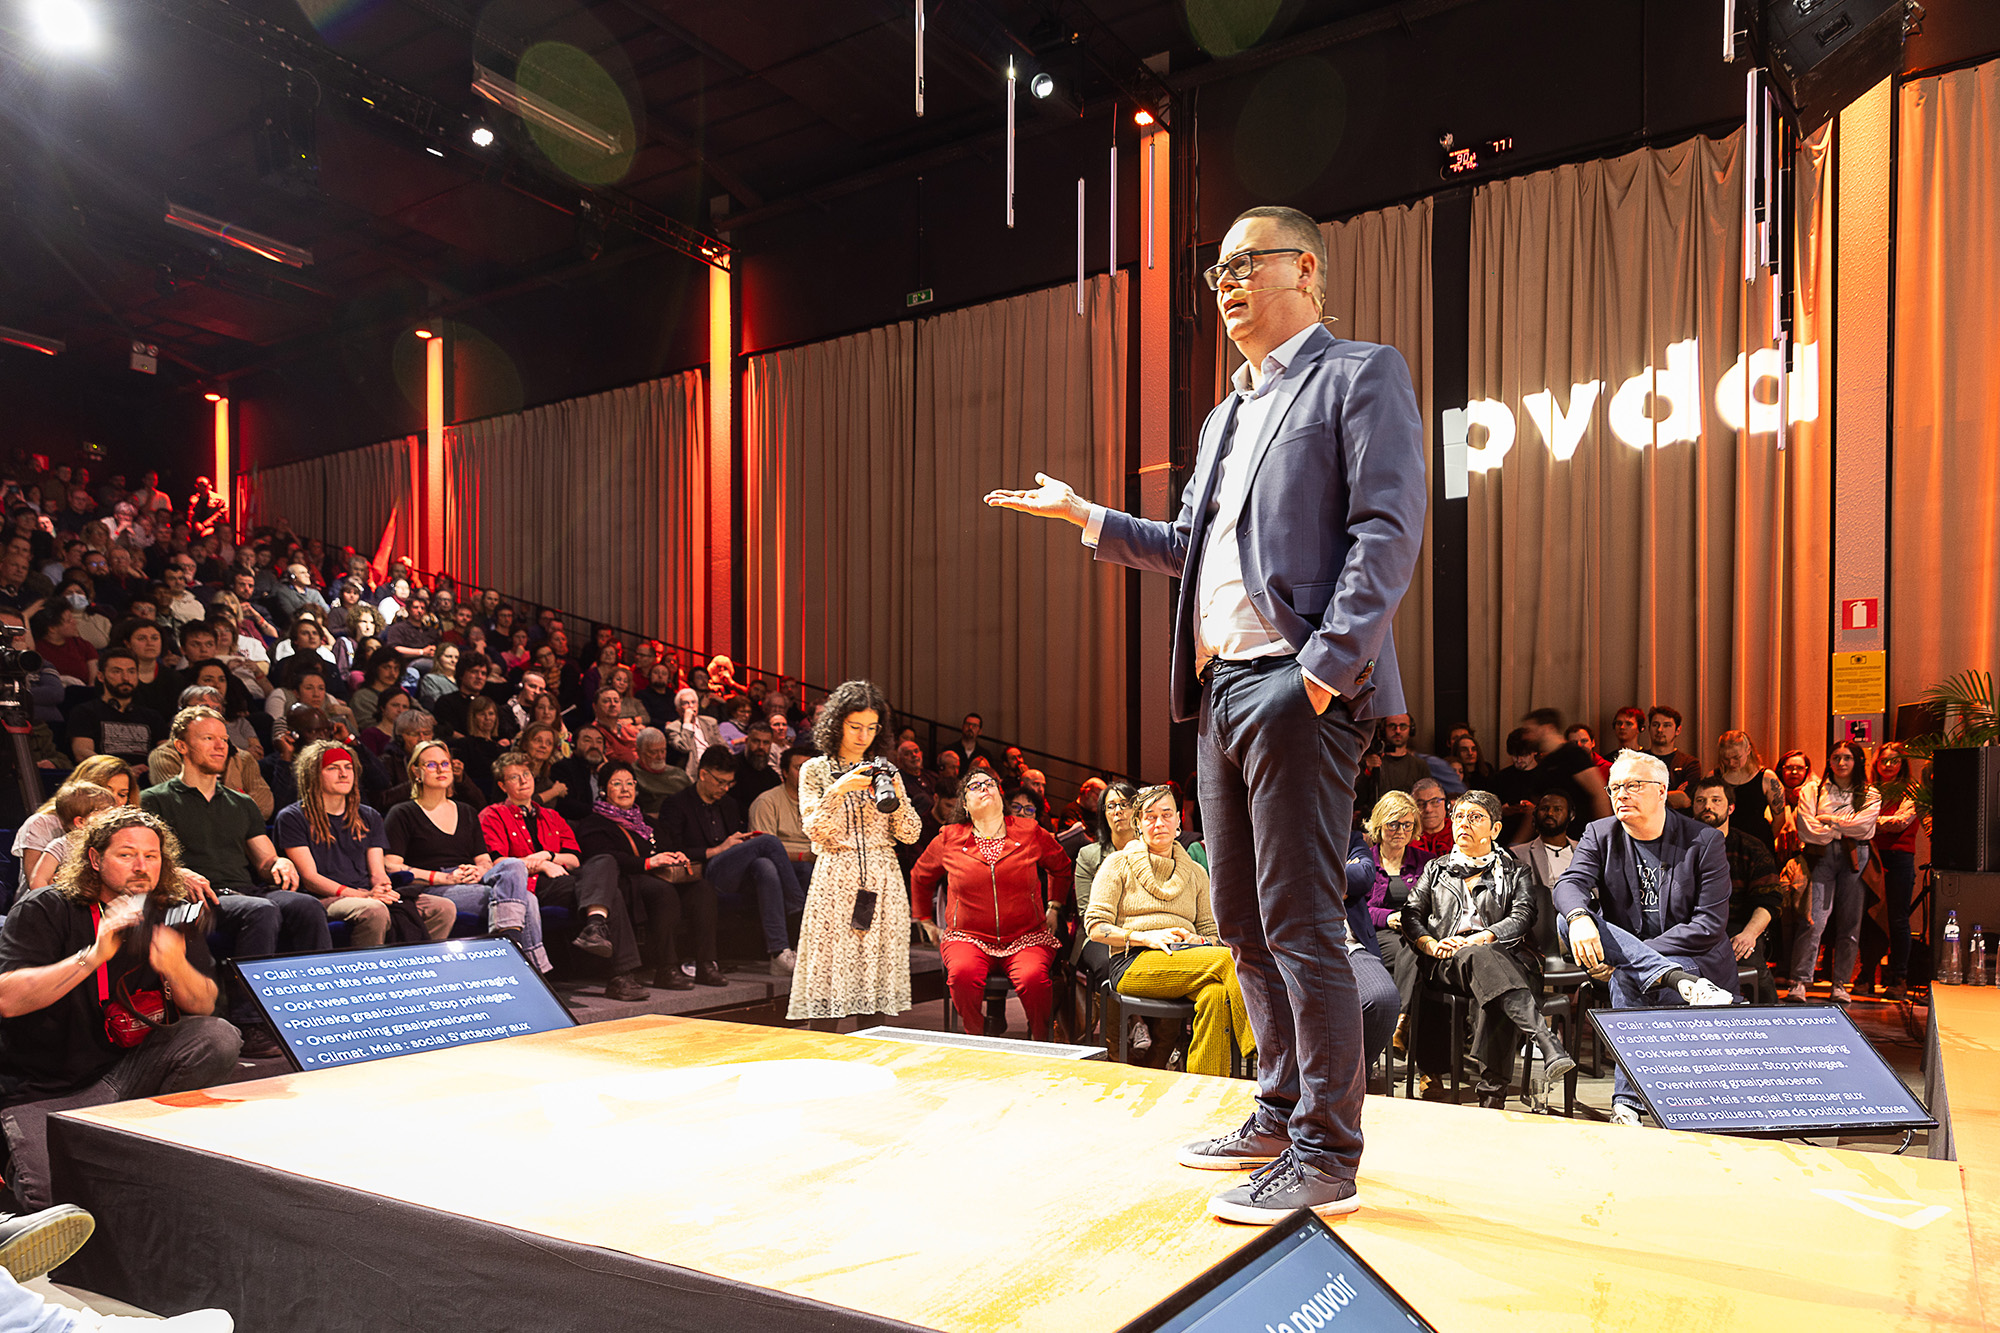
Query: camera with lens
x=137 y=942
x=17 y=663
x=882 y=785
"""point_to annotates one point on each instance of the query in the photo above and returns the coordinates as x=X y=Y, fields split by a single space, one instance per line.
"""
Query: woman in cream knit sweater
x=1149 y=905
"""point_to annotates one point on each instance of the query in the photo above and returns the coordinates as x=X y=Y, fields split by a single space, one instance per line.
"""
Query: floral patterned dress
x=841 y=970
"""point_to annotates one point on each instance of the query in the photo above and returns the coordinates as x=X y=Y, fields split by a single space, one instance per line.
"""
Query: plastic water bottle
x=1951 y=968
x=1975 y=957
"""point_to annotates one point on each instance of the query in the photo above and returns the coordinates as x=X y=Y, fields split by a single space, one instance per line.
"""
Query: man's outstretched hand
x=1049 y=499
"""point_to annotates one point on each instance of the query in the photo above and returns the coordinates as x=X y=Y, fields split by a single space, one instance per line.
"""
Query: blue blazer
x=1694 y=897
x=1332 y=523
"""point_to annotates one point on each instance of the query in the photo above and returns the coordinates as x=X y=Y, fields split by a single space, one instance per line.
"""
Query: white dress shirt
x=1229 y=623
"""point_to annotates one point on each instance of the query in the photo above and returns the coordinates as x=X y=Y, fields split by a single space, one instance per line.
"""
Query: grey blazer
x=1332 y=522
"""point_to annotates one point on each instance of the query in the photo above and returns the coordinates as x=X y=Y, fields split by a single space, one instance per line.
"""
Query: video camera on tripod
x=18 y=665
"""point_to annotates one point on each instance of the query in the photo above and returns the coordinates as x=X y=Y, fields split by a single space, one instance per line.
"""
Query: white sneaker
x=787 y=962
x=1621 y=1114
x=1701 y=992
x=1841 y=996
x=194 y=1321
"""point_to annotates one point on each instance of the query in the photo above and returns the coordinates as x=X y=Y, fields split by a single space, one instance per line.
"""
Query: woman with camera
x=854 y=938
x=997 y=909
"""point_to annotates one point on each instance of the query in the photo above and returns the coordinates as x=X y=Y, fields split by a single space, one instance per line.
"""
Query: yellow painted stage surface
x=1968 y=1020
x=965 y=1190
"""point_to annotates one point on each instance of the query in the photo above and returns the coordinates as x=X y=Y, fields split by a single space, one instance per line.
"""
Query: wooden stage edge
x=966 y=1191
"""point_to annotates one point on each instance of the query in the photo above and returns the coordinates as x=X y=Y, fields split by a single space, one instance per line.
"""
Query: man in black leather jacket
x=1470 y=917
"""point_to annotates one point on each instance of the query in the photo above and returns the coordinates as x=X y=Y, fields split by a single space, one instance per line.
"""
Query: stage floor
x=965 y=1190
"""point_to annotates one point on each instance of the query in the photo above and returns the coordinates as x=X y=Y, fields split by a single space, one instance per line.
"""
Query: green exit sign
x=919 y=297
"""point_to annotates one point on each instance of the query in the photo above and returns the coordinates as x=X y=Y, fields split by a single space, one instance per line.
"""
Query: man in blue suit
x=1295 y=542
x=1645 y=903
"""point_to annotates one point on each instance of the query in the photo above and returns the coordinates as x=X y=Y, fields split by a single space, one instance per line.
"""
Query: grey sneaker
x=786 y=962
x=1281 y=1189
x=1238 y=1150
x=1701 y=992
x=1621 y=1114
x=33 y=1243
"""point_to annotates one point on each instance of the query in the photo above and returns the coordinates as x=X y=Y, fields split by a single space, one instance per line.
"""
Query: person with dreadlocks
x=337 y=845
x=96 y=1005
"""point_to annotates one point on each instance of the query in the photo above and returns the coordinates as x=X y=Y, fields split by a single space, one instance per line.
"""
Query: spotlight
x=434 y=152
x=213 y=397
x=65 y=25
x=1041 y=85
x=1142 y=118
x=482 y=137
x=425 y=334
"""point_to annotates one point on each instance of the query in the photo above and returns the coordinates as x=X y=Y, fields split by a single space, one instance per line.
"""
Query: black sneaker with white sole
x=1238 y=1150
x=1281 y=1189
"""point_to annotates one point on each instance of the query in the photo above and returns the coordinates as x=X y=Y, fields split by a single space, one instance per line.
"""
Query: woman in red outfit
x=997 y=910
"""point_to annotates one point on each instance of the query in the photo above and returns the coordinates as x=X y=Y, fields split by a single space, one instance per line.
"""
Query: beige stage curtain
x=1637 y=547
x=1378 y=288
x=346 y=499
x=586 y=505
x=1944 y=528
x=828 y=442
x=1006 y=615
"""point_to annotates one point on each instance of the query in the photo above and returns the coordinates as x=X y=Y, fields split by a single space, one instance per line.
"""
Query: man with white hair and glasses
x=1645 y=904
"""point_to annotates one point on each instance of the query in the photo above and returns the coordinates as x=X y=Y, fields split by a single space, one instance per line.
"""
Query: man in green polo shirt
x=223 y=840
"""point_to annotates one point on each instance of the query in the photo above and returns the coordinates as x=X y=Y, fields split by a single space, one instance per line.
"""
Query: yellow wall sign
x=1860 y=683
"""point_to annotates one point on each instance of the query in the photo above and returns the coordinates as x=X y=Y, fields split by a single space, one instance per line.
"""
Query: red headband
x=333 y=755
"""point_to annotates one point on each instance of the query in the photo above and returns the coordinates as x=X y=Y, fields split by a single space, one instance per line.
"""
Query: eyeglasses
x=1435 y=800
x=1633 y=785
x=1240 y=266
x=1399 y=826
x=437 y=765
x=971 y=787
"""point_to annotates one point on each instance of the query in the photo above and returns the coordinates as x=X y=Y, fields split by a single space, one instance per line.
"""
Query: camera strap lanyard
x=104 y=972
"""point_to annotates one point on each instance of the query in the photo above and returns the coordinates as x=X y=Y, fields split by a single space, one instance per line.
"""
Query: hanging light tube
x=1011 y=81
x=504 y=92
x=1079 y=245
x=201 y=224
x=1112 y=267
x=920 y=57
x=1152 y=186
x=34 y=342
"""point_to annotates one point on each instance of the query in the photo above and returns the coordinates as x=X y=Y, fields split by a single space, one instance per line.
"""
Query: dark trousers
x=257 y=922
x=196 y=1052
x=591 y=885
x=663 y=904
x=1277 y=799
x=1506 y=995
x=1899 y=882
x=1380 y=1003
x=758 y=869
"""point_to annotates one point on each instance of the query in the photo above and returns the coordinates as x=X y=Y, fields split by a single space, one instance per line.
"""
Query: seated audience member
x=222 y=839
x=1835 y=819
x=537 y=742
x=62 y=644
x=657 y=776
x=1663 y=731
x=441 y=679
x=378 y=680
x=439 y=841
x=1548 y=853
x=76 y=803
x=1077 y=814
x=1565 y=767
x=661 y=888
x=242 y=774
x=308 y=688
x=1433 y=818
x=577 y=775
x=380 y=736
x=1516 y=785
x=1469 y=918
x=477 y=747
x=1753 y=881
x=1754 y=790
x=1386 y=870
x=212 y=674
x=621 y=737
x=338 y=846
x=1628 y=730
x=760 y=771
x=722 y=688
x=948 y=775
x=1150 y=895
x=1895 y=851
x=454 y=706
x=1112 y=828
x=1584 y=739
x=1398 y=767
x=45 y=827
x=692 y=731
x=557 y=873
x=523 y=707
x=158 y=683
x=705 y=824
x=1645 y=903
x=776 y=812
x=995 y=910
x=1472 y=764
x=112 y=723
x=68 y=992
x=658 y=696
x=734 y=728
